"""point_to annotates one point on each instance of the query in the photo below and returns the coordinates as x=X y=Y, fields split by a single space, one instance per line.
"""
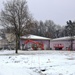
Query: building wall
x=45 y=42
x=4 y=43
x=74 y=45
x=65 y=43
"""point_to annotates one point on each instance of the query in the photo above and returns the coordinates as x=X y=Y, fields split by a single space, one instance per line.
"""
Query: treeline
x=51 y=30
x=47 y=29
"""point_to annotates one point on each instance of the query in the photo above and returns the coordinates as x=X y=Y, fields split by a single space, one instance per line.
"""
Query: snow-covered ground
x=37 y=63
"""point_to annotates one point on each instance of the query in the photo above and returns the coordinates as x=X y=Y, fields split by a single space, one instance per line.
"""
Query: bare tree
x=50 y=28
x=15 y=15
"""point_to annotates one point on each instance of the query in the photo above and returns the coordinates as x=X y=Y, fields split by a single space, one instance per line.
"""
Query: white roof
x=64 y=38
x=34 y=37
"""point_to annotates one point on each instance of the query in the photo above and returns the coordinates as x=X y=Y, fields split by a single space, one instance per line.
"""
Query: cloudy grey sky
x=59 y=11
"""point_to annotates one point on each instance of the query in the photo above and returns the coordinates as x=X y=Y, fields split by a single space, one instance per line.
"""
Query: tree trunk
x=18 y=42
x=16 y=45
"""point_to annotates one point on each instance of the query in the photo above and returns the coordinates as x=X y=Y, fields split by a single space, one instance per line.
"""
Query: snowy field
x=37 y=63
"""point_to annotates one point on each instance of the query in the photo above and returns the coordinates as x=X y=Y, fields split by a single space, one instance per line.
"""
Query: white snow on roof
x=34 y=37
x=64 y=38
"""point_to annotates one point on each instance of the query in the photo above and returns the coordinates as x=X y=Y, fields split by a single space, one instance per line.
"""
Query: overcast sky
x=59 y=11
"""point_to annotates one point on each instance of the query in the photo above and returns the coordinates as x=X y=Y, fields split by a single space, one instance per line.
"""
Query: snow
x=64 y=38
x=34 y=37
x=37 y=63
